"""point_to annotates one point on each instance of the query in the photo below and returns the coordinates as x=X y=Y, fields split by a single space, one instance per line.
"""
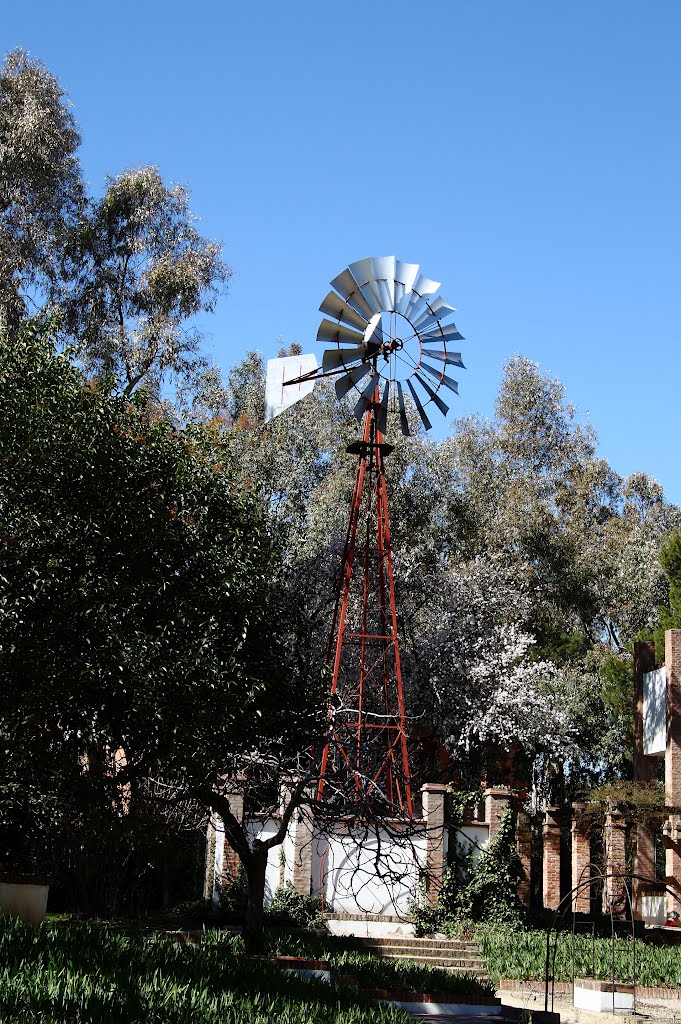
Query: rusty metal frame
x=367 y=575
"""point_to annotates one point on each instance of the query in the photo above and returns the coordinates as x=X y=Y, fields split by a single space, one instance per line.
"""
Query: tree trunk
x=253 y=924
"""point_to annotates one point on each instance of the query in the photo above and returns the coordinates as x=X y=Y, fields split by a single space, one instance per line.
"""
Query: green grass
x=91 y=974
x=513 y=953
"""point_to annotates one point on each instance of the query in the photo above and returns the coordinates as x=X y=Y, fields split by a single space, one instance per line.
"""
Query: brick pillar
x=644 y=771
x=496 y=802
x=434 y=814
x=523 y=845
x=672 y=766
x=553 y=821
x=223 y=861
x=209 y=869
x=581 y=859
x=644 y=661
x=301 y=835
x=230 y=859
x=614 y=841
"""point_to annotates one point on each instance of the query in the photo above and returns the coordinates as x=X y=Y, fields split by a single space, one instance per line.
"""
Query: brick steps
x=455 y=955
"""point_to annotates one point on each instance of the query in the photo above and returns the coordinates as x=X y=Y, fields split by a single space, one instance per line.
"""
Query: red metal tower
x=367 y=724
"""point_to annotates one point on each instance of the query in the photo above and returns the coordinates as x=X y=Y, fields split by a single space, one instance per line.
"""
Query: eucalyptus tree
x=143 y=272
x=41 y=188
x=129 y=269
x=537 y=493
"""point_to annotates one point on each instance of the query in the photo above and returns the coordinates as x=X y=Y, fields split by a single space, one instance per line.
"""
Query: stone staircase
x=457 y=955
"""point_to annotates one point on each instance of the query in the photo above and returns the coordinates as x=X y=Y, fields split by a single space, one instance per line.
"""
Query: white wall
x=273 y=872
x=363 y=872
x=471 y=838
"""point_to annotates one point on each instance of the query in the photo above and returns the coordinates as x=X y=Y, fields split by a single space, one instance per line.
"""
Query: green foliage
x=640 y=803
x=510 y=952
x=291 y=909
x=92 y=974
x=484 y=888
x=139 y=603
x=143 y=271
x=669 y=616
x=41 y=188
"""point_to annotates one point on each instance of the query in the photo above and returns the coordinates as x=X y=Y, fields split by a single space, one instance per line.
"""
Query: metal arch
x=559 y=913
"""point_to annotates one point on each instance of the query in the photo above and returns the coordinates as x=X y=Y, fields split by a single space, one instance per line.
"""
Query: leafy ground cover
x=515 y=953
x=92 y=974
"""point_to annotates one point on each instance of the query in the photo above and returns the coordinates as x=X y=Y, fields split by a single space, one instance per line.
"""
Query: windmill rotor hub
x=379 y=306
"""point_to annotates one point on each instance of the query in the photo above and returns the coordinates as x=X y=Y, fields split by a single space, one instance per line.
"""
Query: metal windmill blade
x=330 y=331
x=382 y=415
x=351 y=379
x=347 y=288
x=334 y=358
x=404 y=422
x=444 y=332
x=366 y=396
x=334 y=307
x=449 y=358
x=441 y=377
x=433 y=395
x=417 y=402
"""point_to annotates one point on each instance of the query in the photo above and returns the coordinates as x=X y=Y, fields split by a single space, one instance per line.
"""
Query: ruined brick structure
x=657 y=745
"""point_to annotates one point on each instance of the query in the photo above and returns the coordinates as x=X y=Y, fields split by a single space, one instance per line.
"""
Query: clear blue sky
x=526 y=154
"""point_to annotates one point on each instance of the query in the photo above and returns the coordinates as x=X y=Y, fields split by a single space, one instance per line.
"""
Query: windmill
x=389 y=336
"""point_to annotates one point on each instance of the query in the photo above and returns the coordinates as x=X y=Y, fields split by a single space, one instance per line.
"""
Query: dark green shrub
x=290 y=909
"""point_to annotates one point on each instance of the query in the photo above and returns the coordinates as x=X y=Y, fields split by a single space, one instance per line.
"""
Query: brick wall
x=301 y=836
x=230 y=860
x=672 y=640
x=644 y=771
x=644 y=661
x=496 y=803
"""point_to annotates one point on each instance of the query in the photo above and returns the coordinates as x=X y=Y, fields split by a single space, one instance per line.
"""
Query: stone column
x=614 y=841
x=672 y=767
x=496 y=802
x=523 y=845
x=434 y=815
x=553 y=821
x=581 y=859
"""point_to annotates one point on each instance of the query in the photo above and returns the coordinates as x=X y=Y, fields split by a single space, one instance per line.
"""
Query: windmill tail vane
x=392 y=337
